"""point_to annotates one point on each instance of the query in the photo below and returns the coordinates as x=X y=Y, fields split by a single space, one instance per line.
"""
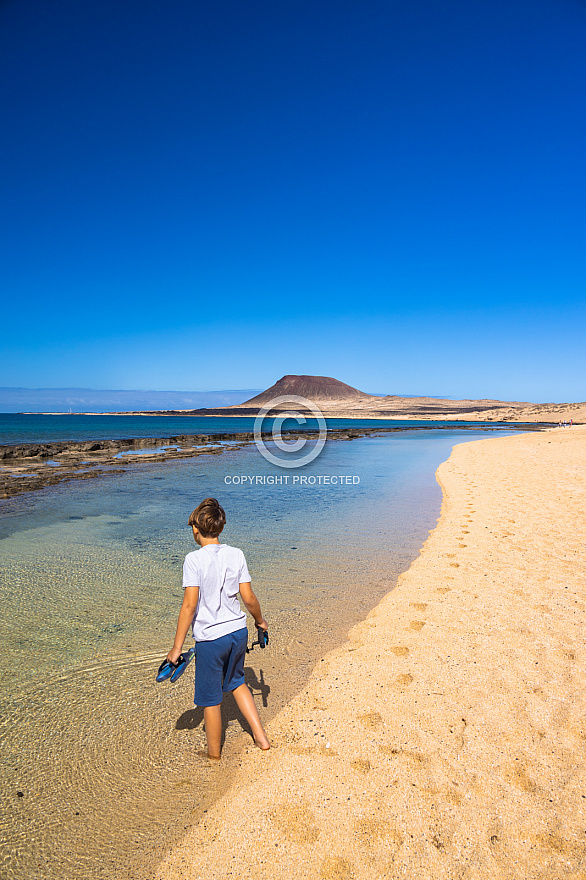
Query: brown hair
x=208 y=518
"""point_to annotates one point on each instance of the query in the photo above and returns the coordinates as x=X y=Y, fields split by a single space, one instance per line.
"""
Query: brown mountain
x=312 y=387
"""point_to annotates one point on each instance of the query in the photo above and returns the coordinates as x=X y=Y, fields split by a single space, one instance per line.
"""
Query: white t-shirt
x=218 y=570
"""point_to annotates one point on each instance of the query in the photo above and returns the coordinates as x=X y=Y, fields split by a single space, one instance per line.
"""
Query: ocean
x=93 y=749
x=41 y=428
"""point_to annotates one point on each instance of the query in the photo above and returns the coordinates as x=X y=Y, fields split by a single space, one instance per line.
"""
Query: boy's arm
x=252 y=604
x=188 y=607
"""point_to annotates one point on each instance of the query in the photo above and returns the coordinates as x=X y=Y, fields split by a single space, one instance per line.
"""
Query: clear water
x=39 y=428
x=93 y=750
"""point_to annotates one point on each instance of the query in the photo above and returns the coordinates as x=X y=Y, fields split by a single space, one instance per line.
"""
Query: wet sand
x=446 y=738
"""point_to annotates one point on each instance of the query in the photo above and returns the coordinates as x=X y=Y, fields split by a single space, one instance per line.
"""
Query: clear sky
x=207 y=194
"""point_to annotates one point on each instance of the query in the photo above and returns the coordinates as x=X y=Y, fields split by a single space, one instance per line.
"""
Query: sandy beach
x=446 y=738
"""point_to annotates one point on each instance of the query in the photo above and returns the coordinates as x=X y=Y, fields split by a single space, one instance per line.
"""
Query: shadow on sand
x=191 y=719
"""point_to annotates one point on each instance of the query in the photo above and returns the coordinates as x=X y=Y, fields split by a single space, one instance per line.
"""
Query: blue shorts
x=219 y=667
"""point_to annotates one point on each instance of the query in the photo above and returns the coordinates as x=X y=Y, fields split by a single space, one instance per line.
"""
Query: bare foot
x=203 y=754
x=263 y=744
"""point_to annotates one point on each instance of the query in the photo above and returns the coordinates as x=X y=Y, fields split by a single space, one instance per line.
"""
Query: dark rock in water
x=20 y=462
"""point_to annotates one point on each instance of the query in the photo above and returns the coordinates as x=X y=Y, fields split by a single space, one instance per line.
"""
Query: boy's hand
x=174 y=655
x=262 y=633
x=263 y=624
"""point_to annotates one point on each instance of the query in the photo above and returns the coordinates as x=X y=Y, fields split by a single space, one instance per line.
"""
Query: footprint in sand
x=444 y=589
x=404 y=680
x=570 y=849
x=295 y=646
x=296 y=823
x=517 y=775
x=369 y=831
x=361 y=764
x=417 y=624
x=400 y=651
x=398 y=752
x=453 y=797
x=336 y=868
x=371 y=719
x=420 y=606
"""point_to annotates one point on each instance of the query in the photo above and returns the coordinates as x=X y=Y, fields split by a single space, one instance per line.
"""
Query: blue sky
x=207 y=195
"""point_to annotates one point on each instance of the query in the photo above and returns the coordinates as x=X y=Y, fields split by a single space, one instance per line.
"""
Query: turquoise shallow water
x=40 y=428
x=93 y=750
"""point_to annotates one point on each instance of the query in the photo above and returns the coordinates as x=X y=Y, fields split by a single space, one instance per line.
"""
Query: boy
x=212 y=579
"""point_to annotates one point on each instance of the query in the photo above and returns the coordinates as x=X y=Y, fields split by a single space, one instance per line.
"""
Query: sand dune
x=454 y=410
x=446 y=738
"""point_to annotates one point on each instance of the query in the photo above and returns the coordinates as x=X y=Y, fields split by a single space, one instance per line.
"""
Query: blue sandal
x=182 y=664
x=175 y=670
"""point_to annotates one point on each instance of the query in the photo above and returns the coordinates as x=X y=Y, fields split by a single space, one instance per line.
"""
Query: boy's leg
x=248 y=708
x=212 y=716
x=211 y=657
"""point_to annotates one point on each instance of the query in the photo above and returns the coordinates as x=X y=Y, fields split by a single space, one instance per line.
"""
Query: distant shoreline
x=403 y=409
x=252 y=413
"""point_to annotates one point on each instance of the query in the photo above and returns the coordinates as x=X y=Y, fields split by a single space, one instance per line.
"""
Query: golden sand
x=417 y=408
x=447 y=737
